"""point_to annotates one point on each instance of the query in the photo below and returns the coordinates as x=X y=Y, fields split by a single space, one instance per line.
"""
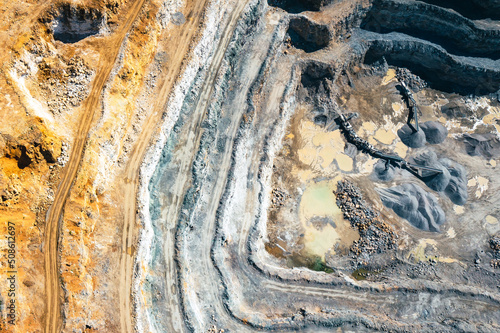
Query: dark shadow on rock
x=298 y=6
x=455 y=33
x=487 y=145
x=473 y=9
x=315 y=82
x=456 y=110
x=76 y=23
x=434 y=132
x=308 y=35
x=411 y=202
x=441 y=70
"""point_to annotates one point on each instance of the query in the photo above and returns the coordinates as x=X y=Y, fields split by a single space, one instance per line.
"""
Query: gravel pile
x=430 y=131
x=414 y=204
x=384 y=171
x=278 y=197
x=434 y=132
x=410 y=138
x=452 y=181
x=376 y=236
x=495 y=246
x=413 y=81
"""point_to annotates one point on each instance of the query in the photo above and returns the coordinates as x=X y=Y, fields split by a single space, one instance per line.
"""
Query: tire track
x=53 y=321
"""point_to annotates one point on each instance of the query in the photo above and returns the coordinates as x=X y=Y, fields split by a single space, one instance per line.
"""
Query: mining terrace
x=250 y=165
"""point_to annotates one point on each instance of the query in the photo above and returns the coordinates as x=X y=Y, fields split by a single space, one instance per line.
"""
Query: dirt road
x=186 y=147
x=180 y=40
x=214 y=255
x=53 y=321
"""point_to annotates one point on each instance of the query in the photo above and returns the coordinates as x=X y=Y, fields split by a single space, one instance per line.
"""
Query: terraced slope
x=212 y=188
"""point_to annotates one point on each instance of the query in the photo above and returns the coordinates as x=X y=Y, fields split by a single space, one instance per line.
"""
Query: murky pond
x=325 y=230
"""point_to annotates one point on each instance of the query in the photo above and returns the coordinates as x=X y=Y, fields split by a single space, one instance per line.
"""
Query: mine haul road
x=53 y=322
x=199 y=278
x=180 y=39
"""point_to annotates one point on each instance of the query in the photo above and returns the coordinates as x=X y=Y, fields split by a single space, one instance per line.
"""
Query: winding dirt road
x=53 y=321
x=218 y=230
x=212 y=269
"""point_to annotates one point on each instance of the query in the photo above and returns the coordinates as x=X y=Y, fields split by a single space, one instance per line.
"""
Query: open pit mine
x=249 y=166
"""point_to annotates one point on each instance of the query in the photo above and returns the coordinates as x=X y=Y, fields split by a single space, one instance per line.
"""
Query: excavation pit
x=462 y=37
x=74 y=24
x=474 y=10
x=307 y=35
x=442 y=71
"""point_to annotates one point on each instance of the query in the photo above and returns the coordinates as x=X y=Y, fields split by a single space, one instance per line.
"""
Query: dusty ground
x=313 y=158
x=74 y=115
x=258 y=217
x=163 y=166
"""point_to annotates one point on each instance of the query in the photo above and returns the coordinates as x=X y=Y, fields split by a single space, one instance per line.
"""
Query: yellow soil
x=321 y=148
x=111 y=48
x=386 y=137
x=459 y=209
x=318 y=201
x=418 y=252
x=389 y=76
x=493 y=118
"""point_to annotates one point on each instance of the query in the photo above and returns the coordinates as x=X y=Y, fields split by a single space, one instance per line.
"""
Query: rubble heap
x=495 y=246
x=376 y=236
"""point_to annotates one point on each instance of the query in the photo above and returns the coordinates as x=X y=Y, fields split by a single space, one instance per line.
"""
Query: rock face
x=308 y=35
x=33 y=147
x=315 y=80
x=456 y=110
x=297 y=6
x=423 y=37
x=427 y=59
x=475 y=9
x=452 y=31
x=487 y=145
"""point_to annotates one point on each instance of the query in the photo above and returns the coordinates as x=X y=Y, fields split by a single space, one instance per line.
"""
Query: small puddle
x=325 y=230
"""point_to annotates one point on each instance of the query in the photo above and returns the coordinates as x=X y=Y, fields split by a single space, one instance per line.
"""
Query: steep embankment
x=210 y=193
x=53 y=320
